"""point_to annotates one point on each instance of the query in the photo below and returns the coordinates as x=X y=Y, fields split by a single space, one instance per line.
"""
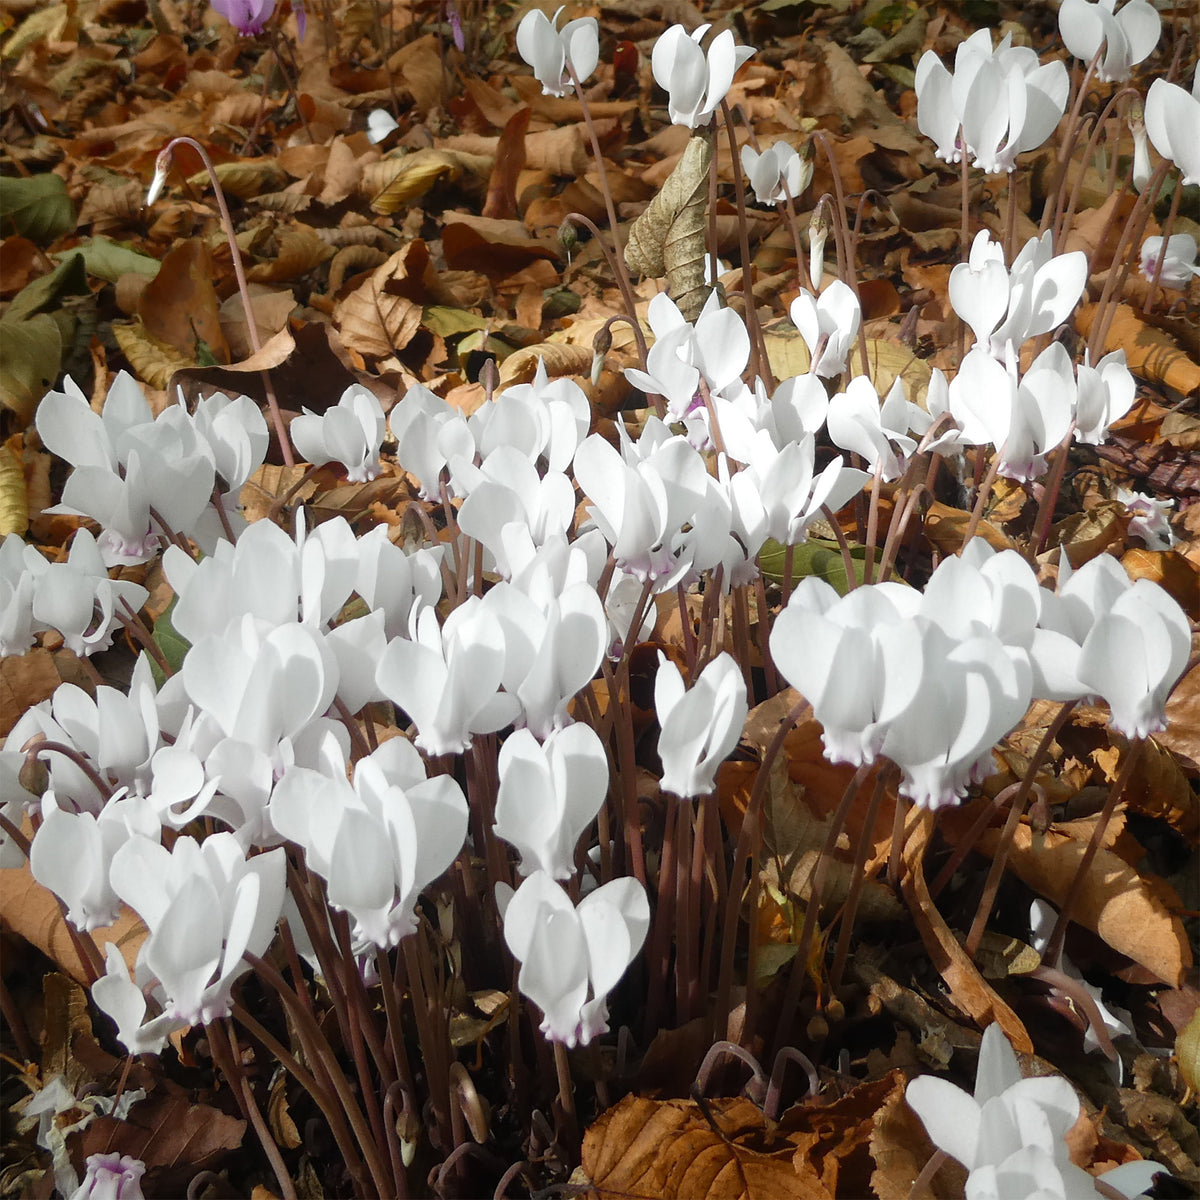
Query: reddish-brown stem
x=163 y=165
x=1054 y=947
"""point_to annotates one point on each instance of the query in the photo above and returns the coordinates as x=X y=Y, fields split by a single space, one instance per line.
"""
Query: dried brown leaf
x=1131 y=913
x=968 y=989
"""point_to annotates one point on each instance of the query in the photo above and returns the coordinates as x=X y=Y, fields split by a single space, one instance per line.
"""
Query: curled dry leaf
x=14 y=502
x=668 y=238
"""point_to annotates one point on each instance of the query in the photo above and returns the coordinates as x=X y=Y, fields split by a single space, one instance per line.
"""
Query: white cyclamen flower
x=205 y=905
x=350 y=432
x=700 y=725
x=1173 y=123
x=828 y=324
x=380 y=124
x=549 y=50
x=549 y=794
x=447 y=678
x=572 y=957
x=1127 y=35
x=377 y=842
x=780 y=172
x=695 y=82
x=998 y=103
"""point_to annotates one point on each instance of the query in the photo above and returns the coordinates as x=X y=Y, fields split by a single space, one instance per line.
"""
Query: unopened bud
x=34 y=776
x=568 y=236
x=818 y=231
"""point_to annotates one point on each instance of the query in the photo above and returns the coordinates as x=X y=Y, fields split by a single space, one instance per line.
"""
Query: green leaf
x=110 y=260
x=174 y=647
x=444 y=321
x=69 y=278
x=30 y=359
x=38 y=207
x=821 y=557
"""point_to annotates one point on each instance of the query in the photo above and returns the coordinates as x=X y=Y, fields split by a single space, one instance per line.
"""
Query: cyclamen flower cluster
x=933 y=680
x=996 y=104
x=180 y=472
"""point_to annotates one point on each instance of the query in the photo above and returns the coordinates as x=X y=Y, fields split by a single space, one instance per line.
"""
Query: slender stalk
x=841 y=229
x=618 y=259
x=161 y=167
x=1054 y=946
x=223 y=1041
x=857 y=880
x=812 y=909
x=1167 y=229
x=749 y=841
x=759 y=364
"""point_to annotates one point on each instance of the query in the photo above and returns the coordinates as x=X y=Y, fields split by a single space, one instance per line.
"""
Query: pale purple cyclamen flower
x=111 y=1177
x=247 y=16
x=1149 y=519
x=1179 y=264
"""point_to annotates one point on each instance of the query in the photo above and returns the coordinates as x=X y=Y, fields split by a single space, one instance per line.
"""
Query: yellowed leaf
x=244 y=179
x=154 y=361
x=520 y=366
x=14 y=501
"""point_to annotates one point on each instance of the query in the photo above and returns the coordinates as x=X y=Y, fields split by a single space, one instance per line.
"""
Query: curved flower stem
x=759 y=364
x=162 y=166
x=17 y=837
x=1083 y=999
x=617 y=261
x=77 y=757
x=317 y=1049
x=1106 y=306
x=981 y=497
x=1020 y=793
x=1167 y=229
x=857 y=880
x=135 y=627
x=812 y=909
x=1054 y=947
x=1067 y=148
x=1045 y=514
x=921 y=1184
x=842 y=230
x=843 y=546
x=1067 y=215
x=227 y=1055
